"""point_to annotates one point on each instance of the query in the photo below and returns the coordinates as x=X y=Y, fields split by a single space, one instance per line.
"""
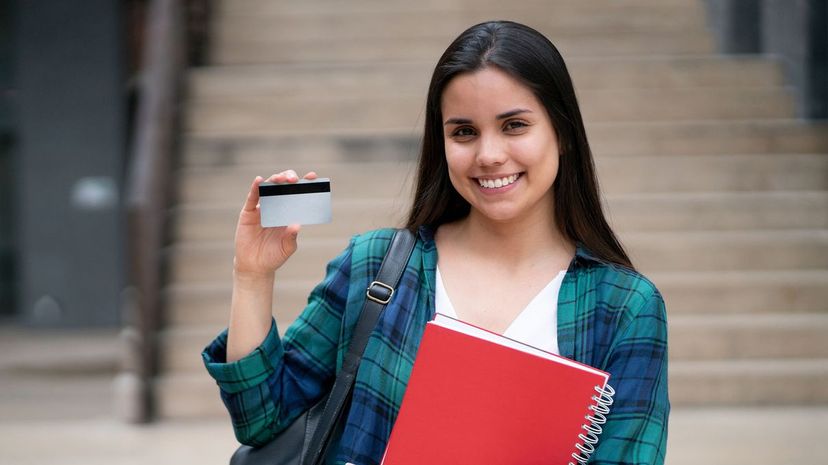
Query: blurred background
x=130 y=131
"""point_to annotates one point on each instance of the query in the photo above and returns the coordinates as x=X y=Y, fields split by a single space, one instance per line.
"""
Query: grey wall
x=797 y=31
x=736 y=25
x=70 y=109
x=7 y=242
x=794 y=31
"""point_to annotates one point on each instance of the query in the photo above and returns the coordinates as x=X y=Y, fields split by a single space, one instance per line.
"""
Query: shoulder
x=374 y=238
x=623 y=278
x=610 y=277
x=371 y=243
x=370 y=247
x=622 y=287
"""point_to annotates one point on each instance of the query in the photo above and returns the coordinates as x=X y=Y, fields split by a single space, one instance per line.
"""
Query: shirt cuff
x=249 y=371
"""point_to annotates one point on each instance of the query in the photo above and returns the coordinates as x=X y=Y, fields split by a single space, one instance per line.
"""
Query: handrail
x=147 y=194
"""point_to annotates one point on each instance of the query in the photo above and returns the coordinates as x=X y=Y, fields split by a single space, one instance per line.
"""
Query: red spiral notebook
x=478 y=397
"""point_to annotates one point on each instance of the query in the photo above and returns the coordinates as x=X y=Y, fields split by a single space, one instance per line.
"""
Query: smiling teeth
x=494 y=183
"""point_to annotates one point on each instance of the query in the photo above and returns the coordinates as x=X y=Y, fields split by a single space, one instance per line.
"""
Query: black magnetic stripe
x=288 y=189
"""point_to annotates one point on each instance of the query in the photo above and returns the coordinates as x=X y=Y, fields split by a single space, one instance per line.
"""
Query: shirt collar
x=584 y=254
x=426 y=233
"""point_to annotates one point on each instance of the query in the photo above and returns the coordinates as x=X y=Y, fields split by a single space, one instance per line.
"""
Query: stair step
x=757 y=336
x=608 y=73
x=335 y=27
x=348 y=181
x=749 y=382
x=194 y=395
x=618 y=175
x=626 y=212
x=181 y=347
x=344 y=23
x=697 y=294
x=728 y=250
x=188 y=396
x=708 y=137
x=227 y=148
x=248 y=49
x=651 y=252
x=330 y=109
x=643 y=8
x=723 y=211
x=717 y=173
x=206 y=222
x=722 y=292
x=213 y=262
x=692 y=338
x=190 y=305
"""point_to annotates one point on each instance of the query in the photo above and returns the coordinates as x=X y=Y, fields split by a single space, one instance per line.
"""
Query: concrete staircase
x=718 y=191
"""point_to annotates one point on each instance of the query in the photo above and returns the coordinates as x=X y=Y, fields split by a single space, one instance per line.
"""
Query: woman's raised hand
x=261 y=251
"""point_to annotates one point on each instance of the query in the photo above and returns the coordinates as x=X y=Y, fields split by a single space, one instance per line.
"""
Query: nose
x=491 y=151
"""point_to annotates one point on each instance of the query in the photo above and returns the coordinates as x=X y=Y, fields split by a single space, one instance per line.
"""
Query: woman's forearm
x=250 y=313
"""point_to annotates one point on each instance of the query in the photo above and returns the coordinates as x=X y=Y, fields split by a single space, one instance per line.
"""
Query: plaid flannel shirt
x=608 y=316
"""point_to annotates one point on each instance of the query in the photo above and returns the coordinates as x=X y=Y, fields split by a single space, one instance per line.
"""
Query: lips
x=494 y=183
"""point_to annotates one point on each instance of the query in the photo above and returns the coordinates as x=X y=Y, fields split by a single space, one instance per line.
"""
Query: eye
x=463 y=132
x=515 y=126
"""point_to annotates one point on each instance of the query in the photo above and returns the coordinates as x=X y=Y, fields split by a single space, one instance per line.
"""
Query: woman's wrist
x=253 y=277
x=253 y=284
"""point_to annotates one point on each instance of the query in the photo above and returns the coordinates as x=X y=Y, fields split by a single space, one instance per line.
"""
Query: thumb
x=289 y=239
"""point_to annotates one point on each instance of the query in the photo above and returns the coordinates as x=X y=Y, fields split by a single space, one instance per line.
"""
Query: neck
x=514 y=242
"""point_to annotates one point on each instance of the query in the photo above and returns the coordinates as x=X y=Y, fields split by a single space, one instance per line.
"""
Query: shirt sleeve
x=636 y=428
x=246 y=372
x=267 y=389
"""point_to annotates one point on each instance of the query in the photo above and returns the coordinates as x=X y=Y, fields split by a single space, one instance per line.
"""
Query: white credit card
x=303 y=202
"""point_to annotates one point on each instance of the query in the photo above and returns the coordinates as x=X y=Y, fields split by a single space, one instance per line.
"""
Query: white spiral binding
x=600 y=410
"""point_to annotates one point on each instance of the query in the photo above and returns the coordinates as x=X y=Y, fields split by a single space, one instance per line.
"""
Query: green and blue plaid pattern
x=609 y=317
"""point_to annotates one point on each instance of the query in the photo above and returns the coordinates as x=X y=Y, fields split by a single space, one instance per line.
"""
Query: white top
x=536 y=325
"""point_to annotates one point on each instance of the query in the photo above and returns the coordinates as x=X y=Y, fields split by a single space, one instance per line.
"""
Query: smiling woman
x=510 y=236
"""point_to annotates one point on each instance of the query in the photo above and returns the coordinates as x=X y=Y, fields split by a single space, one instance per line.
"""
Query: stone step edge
x=701 y=235
x=311 y=8
x=750 y=321
x=358 y=10
x=205 y=393
x=415 y=131
x=427 y=64
x=800 y=275
x=256 y=101
x=684 y=321
x=350 y=202
x=762 y=367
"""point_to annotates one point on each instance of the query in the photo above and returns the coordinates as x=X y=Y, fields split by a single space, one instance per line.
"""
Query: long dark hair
x=527 y=55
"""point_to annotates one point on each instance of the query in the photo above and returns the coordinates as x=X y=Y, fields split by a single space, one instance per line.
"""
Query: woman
x=506 y=193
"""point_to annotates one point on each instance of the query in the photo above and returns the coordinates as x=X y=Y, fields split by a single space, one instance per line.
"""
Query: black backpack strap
x=378 y=294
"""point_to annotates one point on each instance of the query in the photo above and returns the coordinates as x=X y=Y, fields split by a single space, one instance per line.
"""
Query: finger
x=284 y=176
x=253 y=195
x=311 y=175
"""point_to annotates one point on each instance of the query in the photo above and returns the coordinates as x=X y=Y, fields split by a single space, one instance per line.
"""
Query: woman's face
x=501 y=147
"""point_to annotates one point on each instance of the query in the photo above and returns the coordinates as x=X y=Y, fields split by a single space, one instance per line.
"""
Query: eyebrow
x=505 y=115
